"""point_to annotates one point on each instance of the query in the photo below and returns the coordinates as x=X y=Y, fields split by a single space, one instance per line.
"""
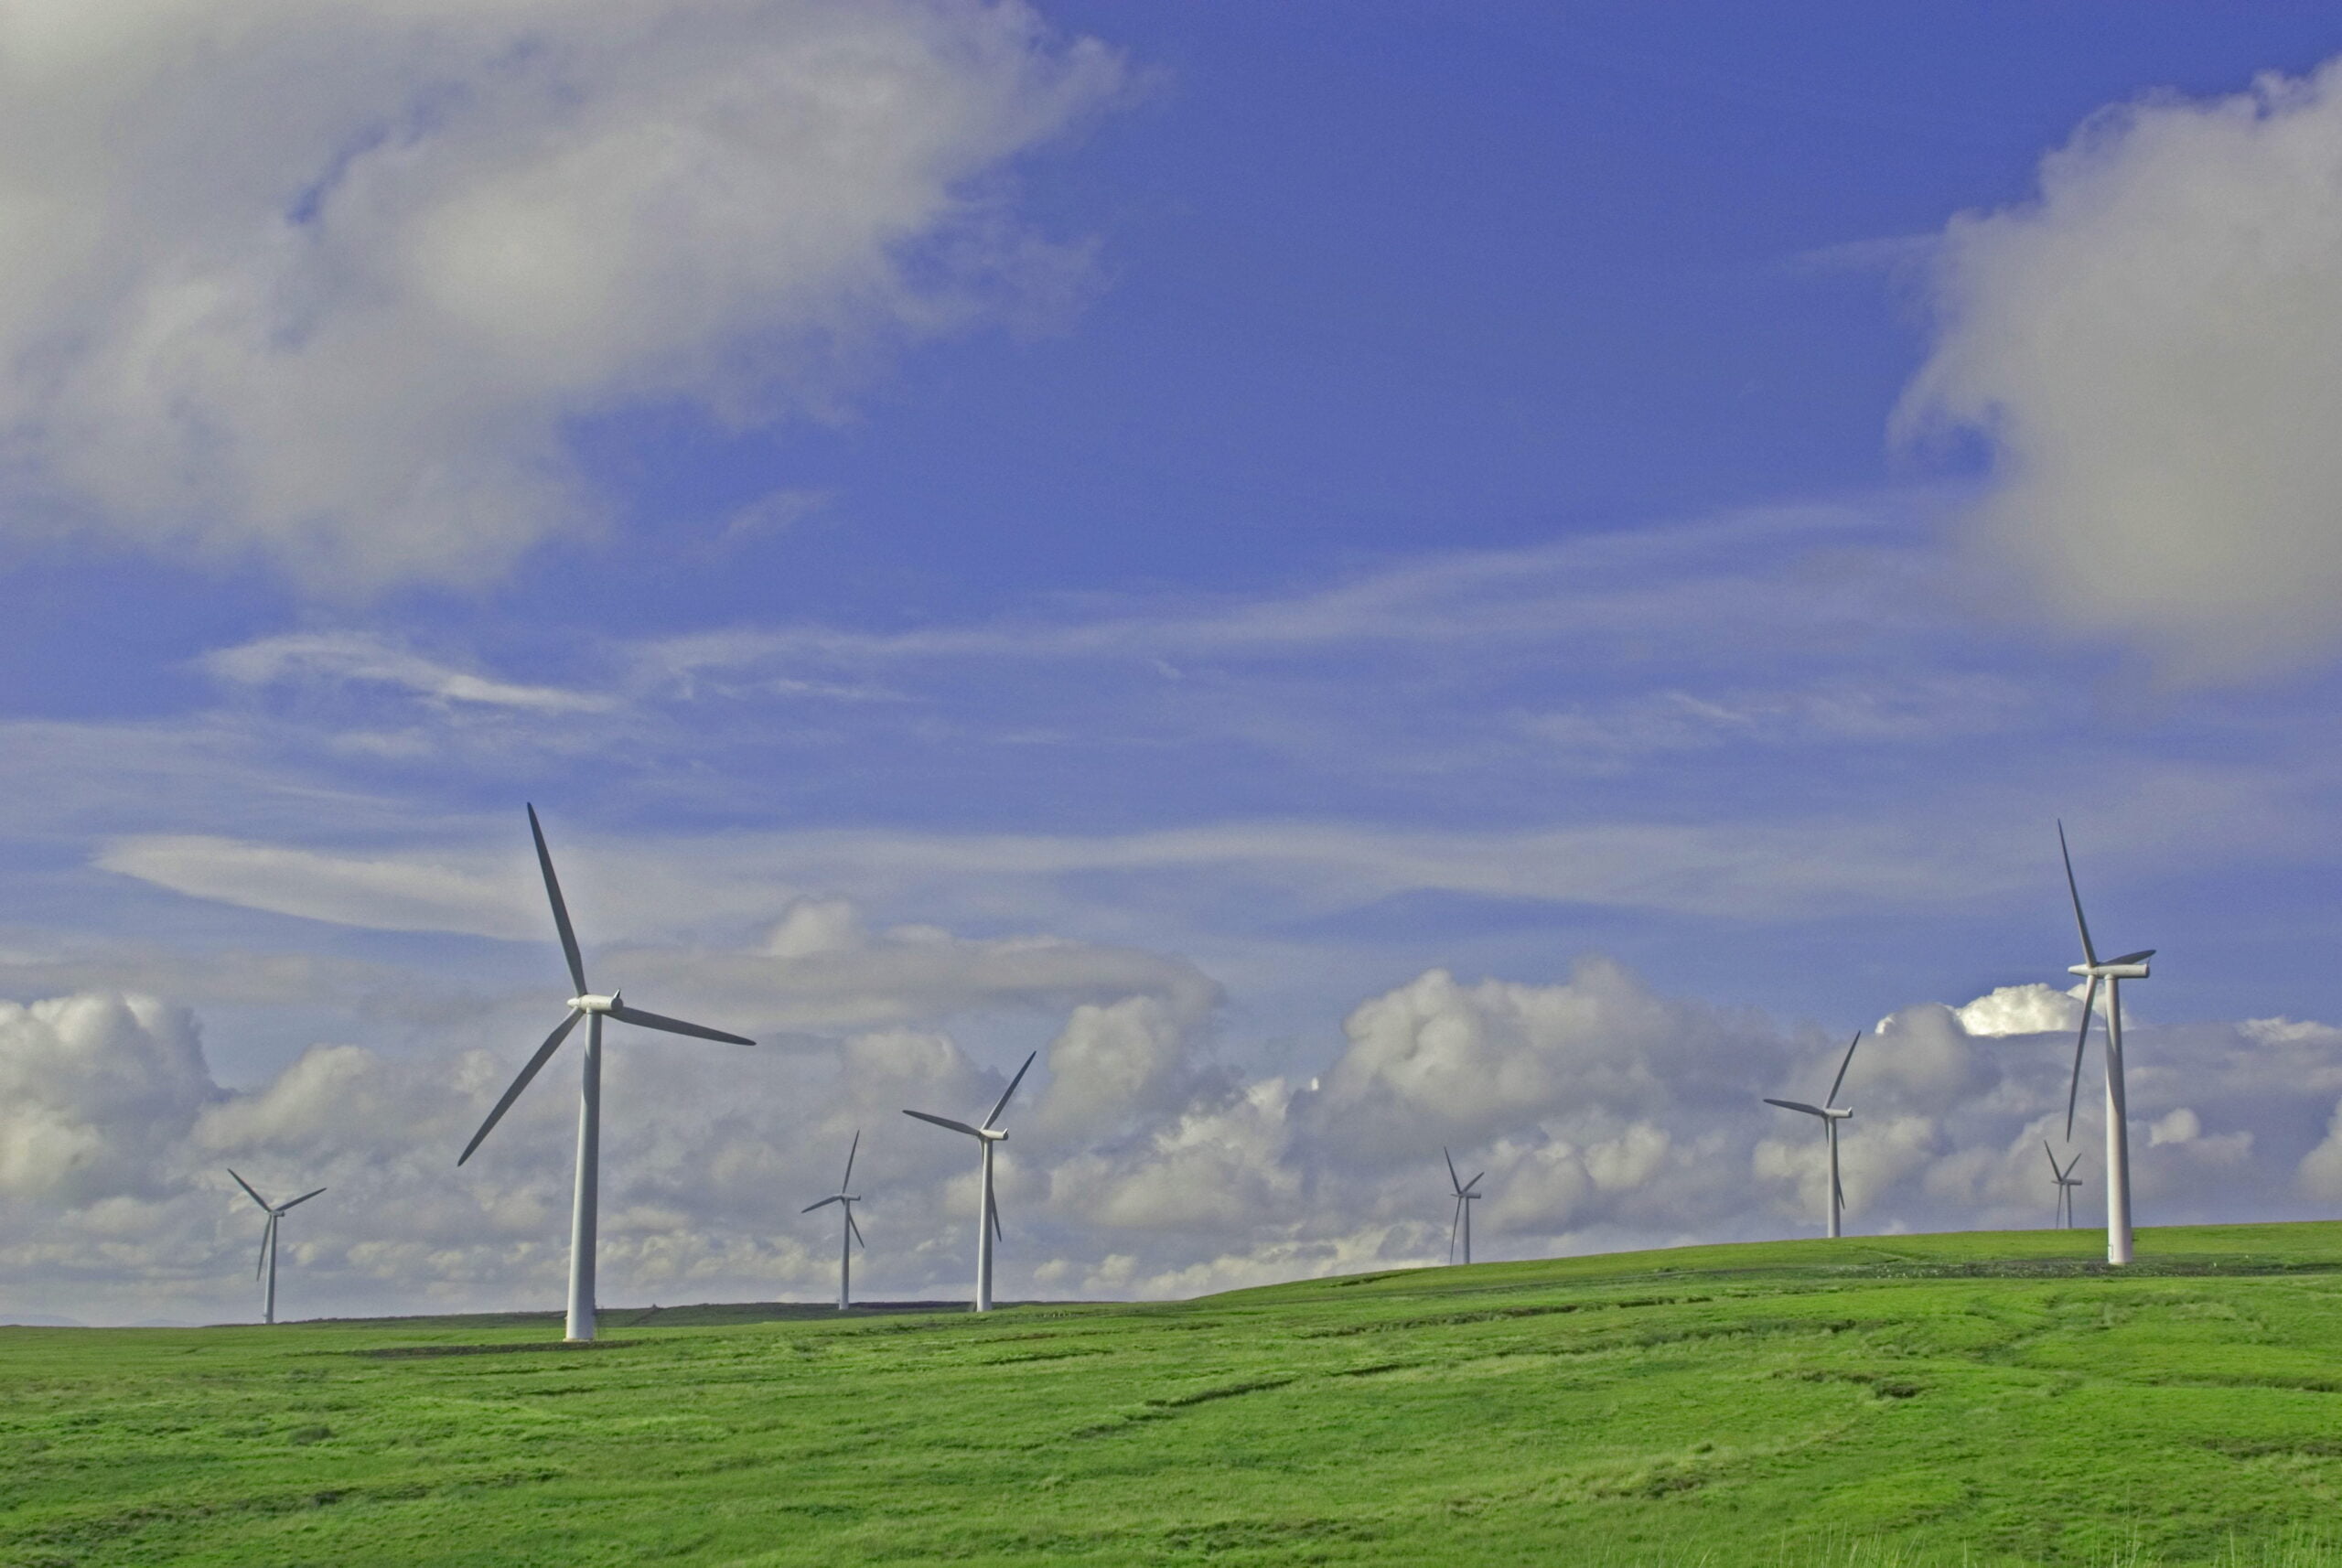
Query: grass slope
x=1987 y=1398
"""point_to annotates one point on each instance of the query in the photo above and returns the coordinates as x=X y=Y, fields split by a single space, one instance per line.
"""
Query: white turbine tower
x=583 y=1005
x=2113 y=972
x=1831 y=1113
x=988 y=1212
x=1464 y=1198
x=851 y=1232
x=267 y=1264
x=2067 y=1181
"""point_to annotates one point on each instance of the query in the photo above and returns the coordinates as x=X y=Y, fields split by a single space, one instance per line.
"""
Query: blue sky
x=1151 y=533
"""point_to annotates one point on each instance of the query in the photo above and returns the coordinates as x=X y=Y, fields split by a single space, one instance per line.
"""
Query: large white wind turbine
x=2067 y=1181
x=2113 y=972
x=267 y=1264
x=1464 y=1198
x=1831 y=1113
x=988 y=1212
x=593 y=1008
x=850 y=1232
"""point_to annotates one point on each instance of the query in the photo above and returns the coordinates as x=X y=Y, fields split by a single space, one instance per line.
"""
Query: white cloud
x=2154 y=347
x=325 y=280
x=333 y=657
x=2029 y=1009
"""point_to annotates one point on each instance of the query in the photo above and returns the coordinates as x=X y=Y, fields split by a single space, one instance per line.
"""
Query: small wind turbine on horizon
x=2113 y=972
x=267 y=1264
x=579 y=1323
x=851 y=1232
x=987 y=1212
x=1831 y=1113
x=1464 y=1198
x=2067 y=1181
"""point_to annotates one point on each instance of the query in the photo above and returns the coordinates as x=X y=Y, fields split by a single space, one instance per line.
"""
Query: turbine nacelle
x=2130 y=966
x=596 y=1004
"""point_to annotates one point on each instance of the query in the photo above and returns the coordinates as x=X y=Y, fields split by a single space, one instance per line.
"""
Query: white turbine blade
x=641 y=1020
x=1469 y=1185
x=2074 y=1090
x=536 y=1064
x=2089 y=953
x=1838 y=1192
x=946 y=1121
x=267 y=1234
x=1453 y=1225
x=560 y=910
x=1797 y=1105
x=248 y=1189
x=850 y=1225
x=846 y=1183
x=2052 y=1158
x=1002 y=1103
x=1453 y=1180
x=298 y=1201
x=992 y=1207
x=1839 y=1082
x=824 y=1204
x=2140 y=957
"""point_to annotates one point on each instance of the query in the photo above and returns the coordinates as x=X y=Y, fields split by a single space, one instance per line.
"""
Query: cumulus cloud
x=1140 y=1160
x=2153 y=347
x=327 y=283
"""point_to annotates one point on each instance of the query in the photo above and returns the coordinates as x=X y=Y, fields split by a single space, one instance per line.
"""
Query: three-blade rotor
x=582 y=1003
x=844 y=1195
x=1465 y=1194
x=2130 y=966
x=984 y=1133
x=275 y=1212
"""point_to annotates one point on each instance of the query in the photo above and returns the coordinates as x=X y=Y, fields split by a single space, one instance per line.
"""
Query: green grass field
x=1986 y=1399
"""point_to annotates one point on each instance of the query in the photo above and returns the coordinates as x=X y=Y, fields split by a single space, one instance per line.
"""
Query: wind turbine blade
x=1002 y=1103
x=855 y=1229
x=2140 y=957
x=2089 y=953
x=1838 y=1191
x=267 y=1234
x=248 y=1189
x=1837 y=1082
x=946 y=1121
x=847 y=1182
x=824 y=1204
x=992 y=1207
x=1470 y=1185
x=1797 y=1105
x=1453 y=1180
x=1453 y=1225
x=2074 y=1090
x=641 y=1020
x=536 y=1064
x=298 y=1201
x=2052 y=1158
x=560 y=910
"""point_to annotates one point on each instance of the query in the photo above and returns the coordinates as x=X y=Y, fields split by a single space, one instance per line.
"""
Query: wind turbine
x=267 y=1264
x=1831 y=1113
x=988 y=1216
x=853 y=1232
x=2114 y=971
x=1464 y=1198
x=594 y=1008
x=2067 y=1181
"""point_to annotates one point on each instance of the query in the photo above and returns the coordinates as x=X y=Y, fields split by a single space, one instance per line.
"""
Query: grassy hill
x=1983 y=1398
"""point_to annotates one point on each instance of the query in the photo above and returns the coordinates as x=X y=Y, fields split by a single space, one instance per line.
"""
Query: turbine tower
x=851 y=1232
x=593 y=1008
x=1464 y=1198
x=2067 y=1181
x=2113 y=972
x=1831 y=1113
x=267 y=1264
x=988 y=1215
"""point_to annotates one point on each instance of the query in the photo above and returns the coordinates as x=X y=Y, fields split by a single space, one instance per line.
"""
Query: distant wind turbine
x=2067 y=1181
x=1464 y=1198
x=267 y=1264
x=583 y=1005
x=2113 y=972
x=1831 y=1113
x=988 y=1212
x=851 y=1232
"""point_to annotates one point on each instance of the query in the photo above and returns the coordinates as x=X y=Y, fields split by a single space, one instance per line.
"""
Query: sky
x=1360 y=577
